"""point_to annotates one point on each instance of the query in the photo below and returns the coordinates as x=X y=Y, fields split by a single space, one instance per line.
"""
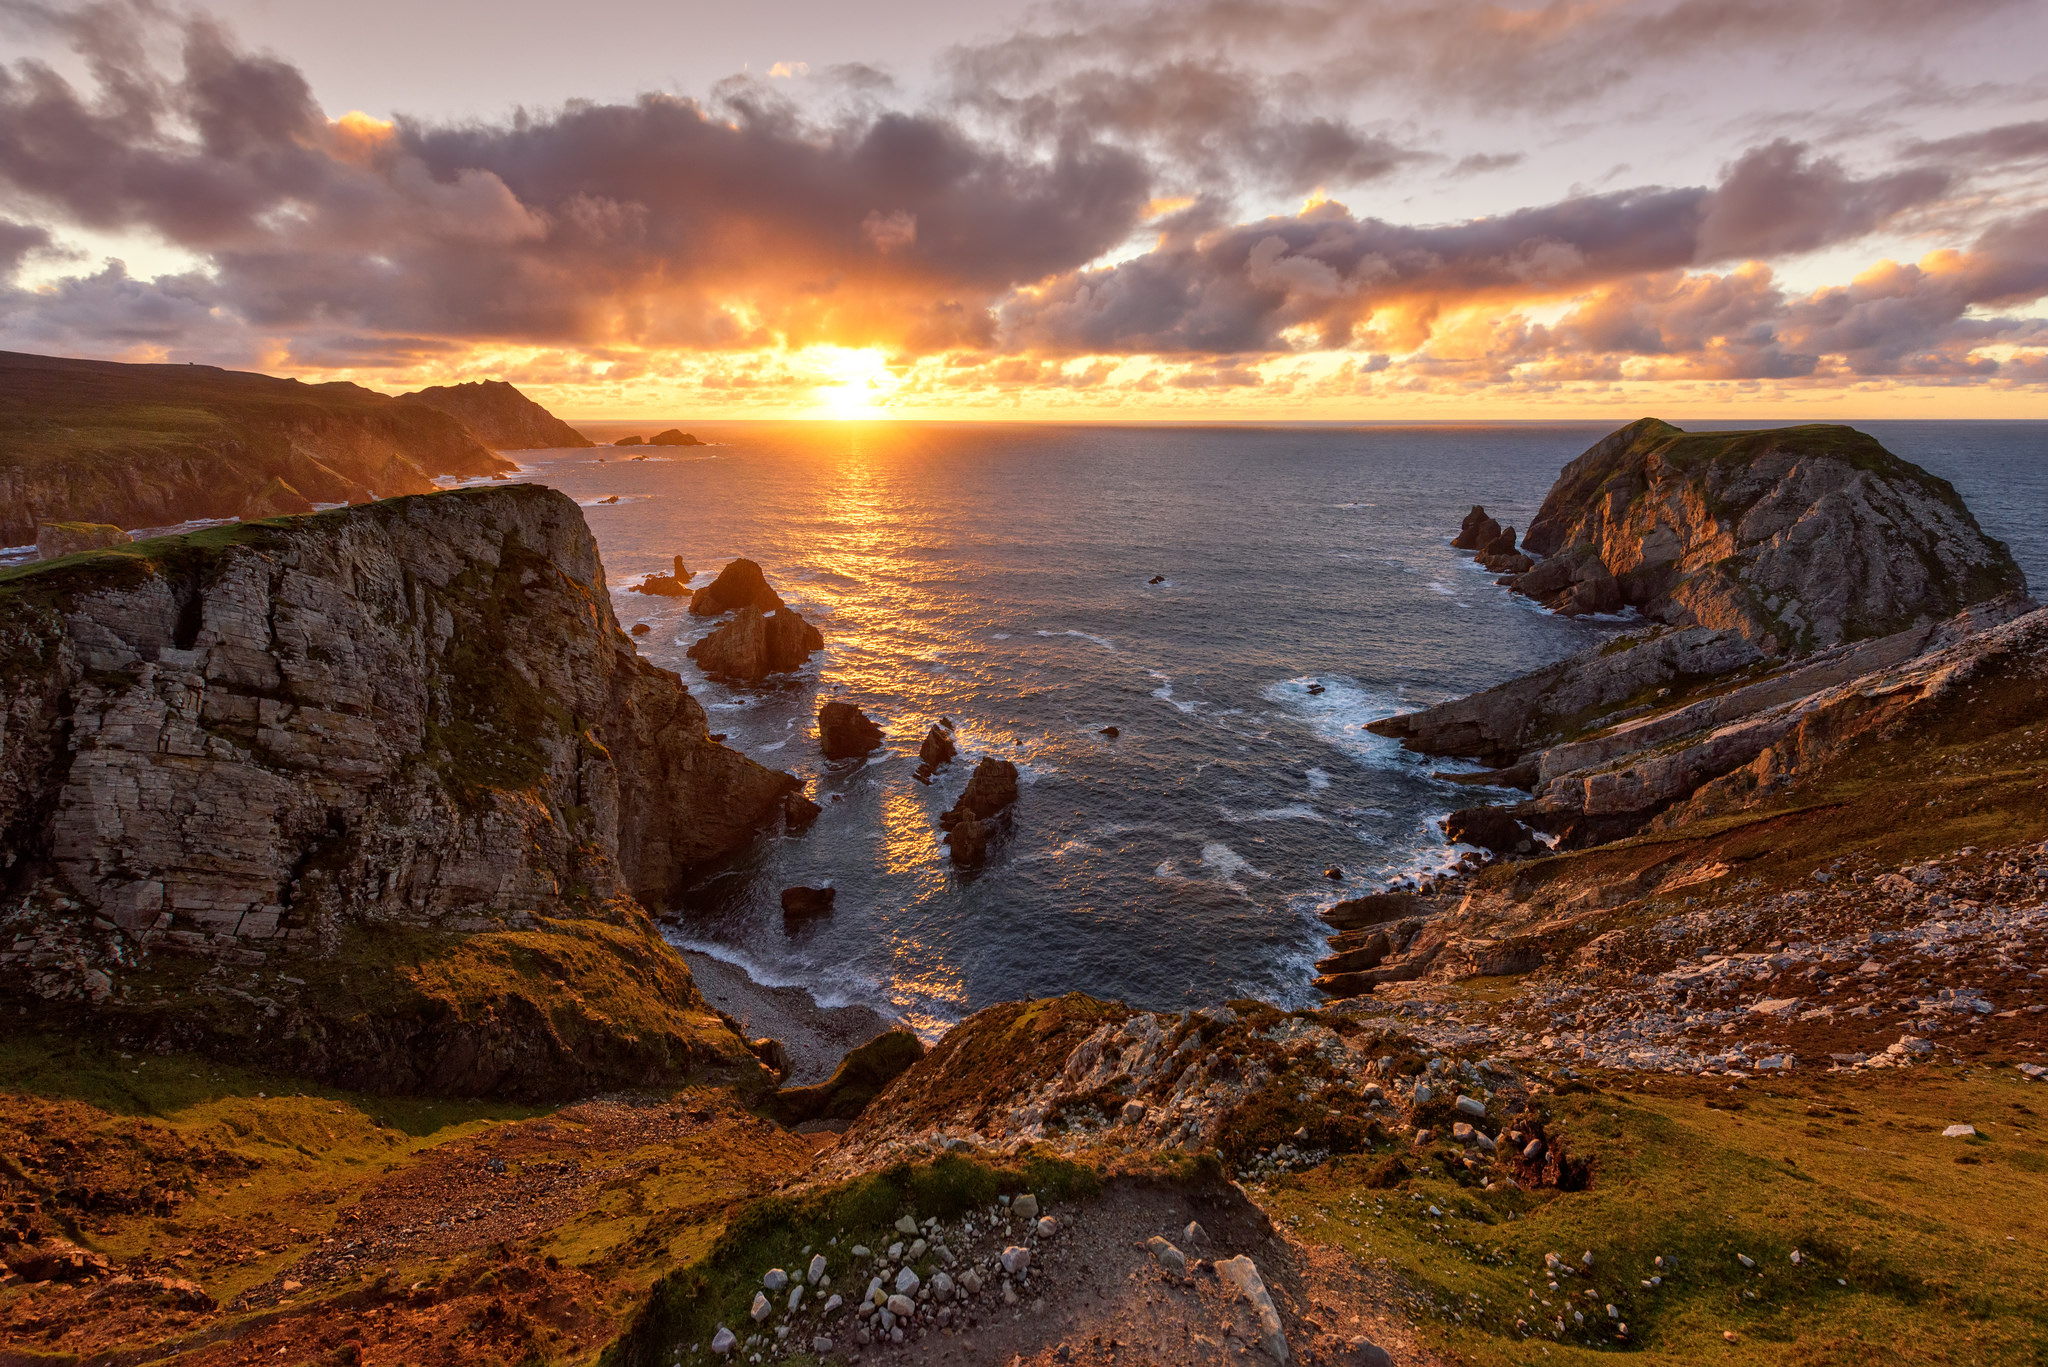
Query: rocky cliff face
x=1794 y=539
x=500 y=415
x=293 y=747
x=155 y=445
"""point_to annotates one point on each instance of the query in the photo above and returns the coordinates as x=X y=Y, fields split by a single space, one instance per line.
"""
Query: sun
x=858 y=380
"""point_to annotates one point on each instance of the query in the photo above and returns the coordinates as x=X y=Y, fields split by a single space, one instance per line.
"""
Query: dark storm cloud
x=1326 y=271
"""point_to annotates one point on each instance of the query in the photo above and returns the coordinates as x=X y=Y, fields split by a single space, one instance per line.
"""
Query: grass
x=1907 y=1253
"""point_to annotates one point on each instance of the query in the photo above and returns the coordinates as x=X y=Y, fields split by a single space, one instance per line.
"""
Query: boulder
x=773 y=1054
x=754 y=645
x=739 y=585
x=673 y=437
x=55 y=1259
x=1490 y=828
x=844 y=732
x=628 y=441
x=675 y=585
x=805 y=904
x=57 y=539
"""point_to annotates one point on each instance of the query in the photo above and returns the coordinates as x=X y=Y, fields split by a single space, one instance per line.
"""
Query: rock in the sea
x=1794 y=538
x=972 y=821
x=56 y=539
x=286 y=743
x=803 y=904
x=641 y=628
x=798 y=811
x=968 y=841
x=739 y=585
x=634 y=440
x=844 y=732
x=754 y=645
x=1490 y=828
x=673 y=437
x=938 y=748
x=1111 y=731
x=991 y=789
x=1476 y=531
x=676 y=585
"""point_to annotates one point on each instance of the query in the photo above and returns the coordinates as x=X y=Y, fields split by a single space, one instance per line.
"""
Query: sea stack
x=755 y=644
x=844 y=732
x=972 y=822
x=739 y=585
x=676 y=585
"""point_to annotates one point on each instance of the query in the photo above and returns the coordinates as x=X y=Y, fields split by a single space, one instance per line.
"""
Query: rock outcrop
x=396 y=771
x=55 y=540
x=938 y=748
x=754 y=645
x=673 y=437
x=739 y=585
x=156 y=445
x=844 y=732
x=500 y=415
x=676 y=585
x=1794 y=539
x=974 y=820
x=806 y=904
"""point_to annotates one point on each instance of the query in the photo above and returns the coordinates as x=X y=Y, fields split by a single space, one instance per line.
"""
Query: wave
x=1338 y=714
x=1318 y=780
x=1165 y=694
x=1294 y=811
x=1227 y=864
x=1102 y=641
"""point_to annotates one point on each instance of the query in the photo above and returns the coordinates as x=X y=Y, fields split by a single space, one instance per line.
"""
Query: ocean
x=1002 y=576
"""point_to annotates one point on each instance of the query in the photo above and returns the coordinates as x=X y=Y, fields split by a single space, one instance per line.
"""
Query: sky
x=1114 y=210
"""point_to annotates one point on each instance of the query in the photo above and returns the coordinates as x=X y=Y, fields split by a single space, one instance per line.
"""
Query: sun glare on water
x=859 y=379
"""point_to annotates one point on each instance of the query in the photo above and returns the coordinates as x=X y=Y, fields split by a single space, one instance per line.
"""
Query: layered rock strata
x=289 y=750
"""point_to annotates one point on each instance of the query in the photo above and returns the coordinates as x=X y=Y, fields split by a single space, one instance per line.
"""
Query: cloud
x=661 y=222
x=2008 y=143
x=17 y=241
x=1326 y=278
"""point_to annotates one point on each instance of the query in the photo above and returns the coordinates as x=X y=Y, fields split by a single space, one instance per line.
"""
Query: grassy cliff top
x=55 y=409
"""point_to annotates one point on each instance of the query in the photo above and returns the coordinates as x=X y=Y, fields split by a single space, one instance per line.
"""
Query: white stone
x=1025 y=1206
x=1470 y=1106
x=902 y=1307
x=907 y=1225
x=1016 y=1259
x=776 y=1279
x=1242 y=1274
x=762 y=1309
x=817 y=1269
x=722 y=1342
x=1047 y=1226
x=1960 y=1132
x=907 y=1283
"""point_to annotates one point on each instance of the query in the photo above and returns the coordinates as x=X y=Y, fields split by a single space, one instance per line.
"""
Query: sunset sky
x=1232 y=209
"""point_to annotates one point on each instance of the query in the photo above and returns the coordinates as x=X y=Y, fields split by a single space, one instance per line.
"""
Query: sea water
x=1002 y=576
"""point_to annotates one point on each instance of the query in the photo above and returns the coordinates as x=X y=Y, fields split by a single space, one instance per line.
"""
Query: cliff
x=1794 y=539
x=499 y=415
x=378 y=790
x=1744 y=550
x=156 y=445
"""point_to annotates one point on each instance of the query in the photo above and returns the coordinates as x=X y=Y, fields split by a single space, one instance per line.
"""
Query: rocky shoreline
x=814 y=1037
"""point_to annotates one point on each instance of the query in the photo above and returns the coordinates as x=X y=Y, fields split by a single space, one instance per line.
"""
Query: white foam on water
x=999 y=636
x=1339 y=714
x=1102 y=641
x=777 y=746
x=1296 y=811
x=1317 y=780
x=1439 y=586
x=608 y=501
x=1227 y=864
x=1165 y=694
x=825 y=995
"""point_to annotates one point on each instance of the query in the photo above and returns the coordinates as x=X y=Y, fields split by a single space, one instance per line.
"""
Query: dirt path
x=1098 y=1297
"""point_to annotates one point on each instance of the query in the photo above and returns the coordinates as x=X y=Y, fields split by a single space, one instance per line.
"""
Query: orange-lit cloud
x=1062 y=239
